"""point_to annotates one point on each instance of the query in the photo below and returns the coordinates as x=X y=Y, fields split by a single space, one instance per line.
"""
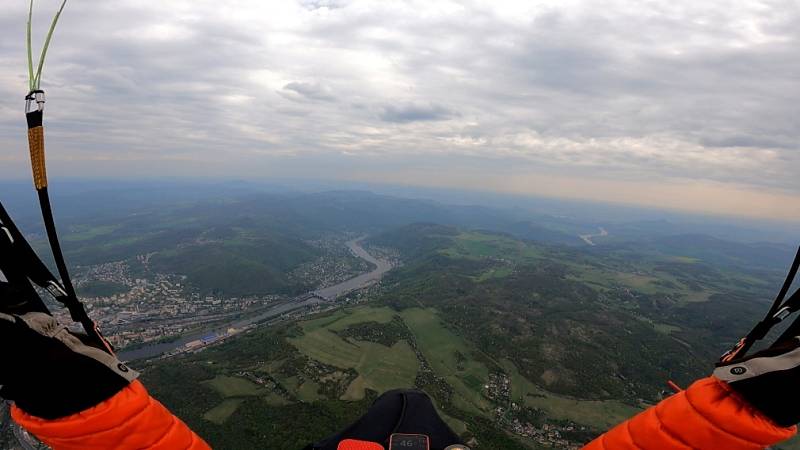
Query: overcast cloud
x=673 y=102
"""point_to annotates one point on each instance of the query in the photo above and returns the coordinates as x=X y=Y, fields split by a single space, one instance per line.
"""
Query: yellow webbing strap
x=36 y=144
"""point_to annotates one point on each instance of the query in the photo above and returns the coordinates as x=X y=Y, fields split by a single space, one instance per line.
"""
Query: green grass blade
x=37 y=80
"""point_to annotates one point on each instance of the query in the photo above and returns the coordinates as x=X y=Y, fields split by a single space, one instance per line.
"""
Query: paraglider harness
x=782 y=307
x=401 y=419
x=21 y=267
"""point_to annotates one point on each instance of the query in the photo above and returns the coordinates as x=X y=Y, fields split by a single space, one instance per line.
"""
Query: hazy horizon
x=73 y=192
x=668 y=105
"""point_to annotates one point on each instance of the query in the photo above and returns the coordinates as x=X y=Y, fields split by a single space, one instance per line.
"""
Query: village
x=518 y=419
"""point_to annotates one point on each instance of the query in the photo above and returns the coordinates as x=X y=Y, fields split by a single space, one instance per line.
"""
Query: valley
x=284 y=316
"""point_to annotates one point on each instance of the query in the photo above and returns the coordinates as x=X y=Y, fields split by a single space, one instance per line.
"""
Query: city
x=141 y=307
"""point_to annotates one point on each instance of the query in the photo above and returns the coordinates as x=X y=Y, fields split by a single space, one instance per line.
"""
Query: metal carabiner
x=56 y=290
x=34 y=96
x=8 y=234
x=782 y=313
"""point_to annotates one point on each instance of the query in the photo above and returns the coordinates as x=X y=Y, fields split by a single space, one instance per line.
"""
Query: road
x=331 y=292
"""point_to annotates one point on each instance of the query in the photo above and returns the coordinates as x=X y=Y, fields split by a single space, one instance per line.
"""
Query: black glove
x=769 y=380
x=50 y=372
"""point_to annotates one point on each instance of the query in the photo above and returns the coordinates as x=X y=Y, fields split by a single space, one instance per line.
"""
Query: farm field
x=379 y=368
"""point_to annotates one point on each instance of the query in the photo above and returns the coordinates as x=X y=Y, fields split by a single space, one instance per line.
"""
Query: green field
x=476 y=246
x=503 y=251
x=441 y=347
x=78 y=233
x=308 y=391
x=234 y=386
x=380 y=368
x=499 y=272
x=342 y=319
x=220 y=413
x=600 y=414
x=652 y=283
x=234 y=390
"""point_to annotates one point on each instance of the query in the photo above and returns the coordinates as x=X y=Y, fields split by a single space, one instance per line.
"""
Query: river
x=330 y=292
x=381 y=267
x=588 y=237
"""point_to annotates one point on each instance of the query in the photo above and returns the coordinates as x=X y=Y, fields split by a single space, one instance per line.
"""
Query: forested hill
x=521 y=344
x=592 y=324
x=111 y=222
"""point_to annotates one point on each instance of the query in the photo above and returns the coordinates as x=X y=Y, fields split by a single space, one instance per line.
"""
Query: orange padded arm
x=131 y=419
x=708 y=415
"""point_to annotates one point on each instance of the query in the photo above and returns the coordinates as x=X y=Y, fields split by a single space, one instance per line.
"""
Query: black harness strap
x=52 y=237
x=781 y=308
x=36 y=143
x=21 y=267
x=17 y=295
x=793 y=329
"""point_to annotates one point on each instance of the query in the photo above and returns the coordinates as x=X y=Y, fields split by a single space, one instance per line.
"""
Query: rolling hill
x=510 y=337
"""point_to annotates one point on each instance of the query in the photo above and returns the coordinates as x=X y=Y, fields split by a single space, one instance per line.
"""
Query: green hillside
x=509 y=337
x=244 y=265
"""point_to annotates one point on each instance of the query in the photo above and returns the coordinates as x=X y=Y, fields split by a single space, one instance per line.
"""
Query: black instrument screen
x=408 y=442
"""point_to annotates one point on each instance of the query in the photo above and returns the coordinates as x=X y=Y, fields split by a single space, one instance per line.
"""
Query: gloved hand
x=768 y=380
x=50 y=372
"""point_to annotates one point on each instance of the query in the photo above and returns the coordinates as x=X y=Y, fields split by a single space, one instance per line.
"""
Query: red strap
x=353 y=444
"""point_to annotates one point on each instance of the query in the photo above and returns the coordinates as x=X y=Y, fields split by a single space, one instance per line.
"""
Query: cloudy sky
x=673 y=103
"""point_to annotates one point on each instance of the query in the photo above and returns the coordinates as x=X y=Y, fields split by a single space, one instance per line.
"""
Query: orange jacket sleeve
x=131 y=419
x=707 y=415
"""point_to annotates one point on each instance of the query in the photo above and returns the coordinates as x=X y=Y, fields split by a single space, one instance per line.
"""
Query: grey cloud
x=313 y=91
x=740 y=140
x=405 y=113
x=318 y=4
x=696 y=90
